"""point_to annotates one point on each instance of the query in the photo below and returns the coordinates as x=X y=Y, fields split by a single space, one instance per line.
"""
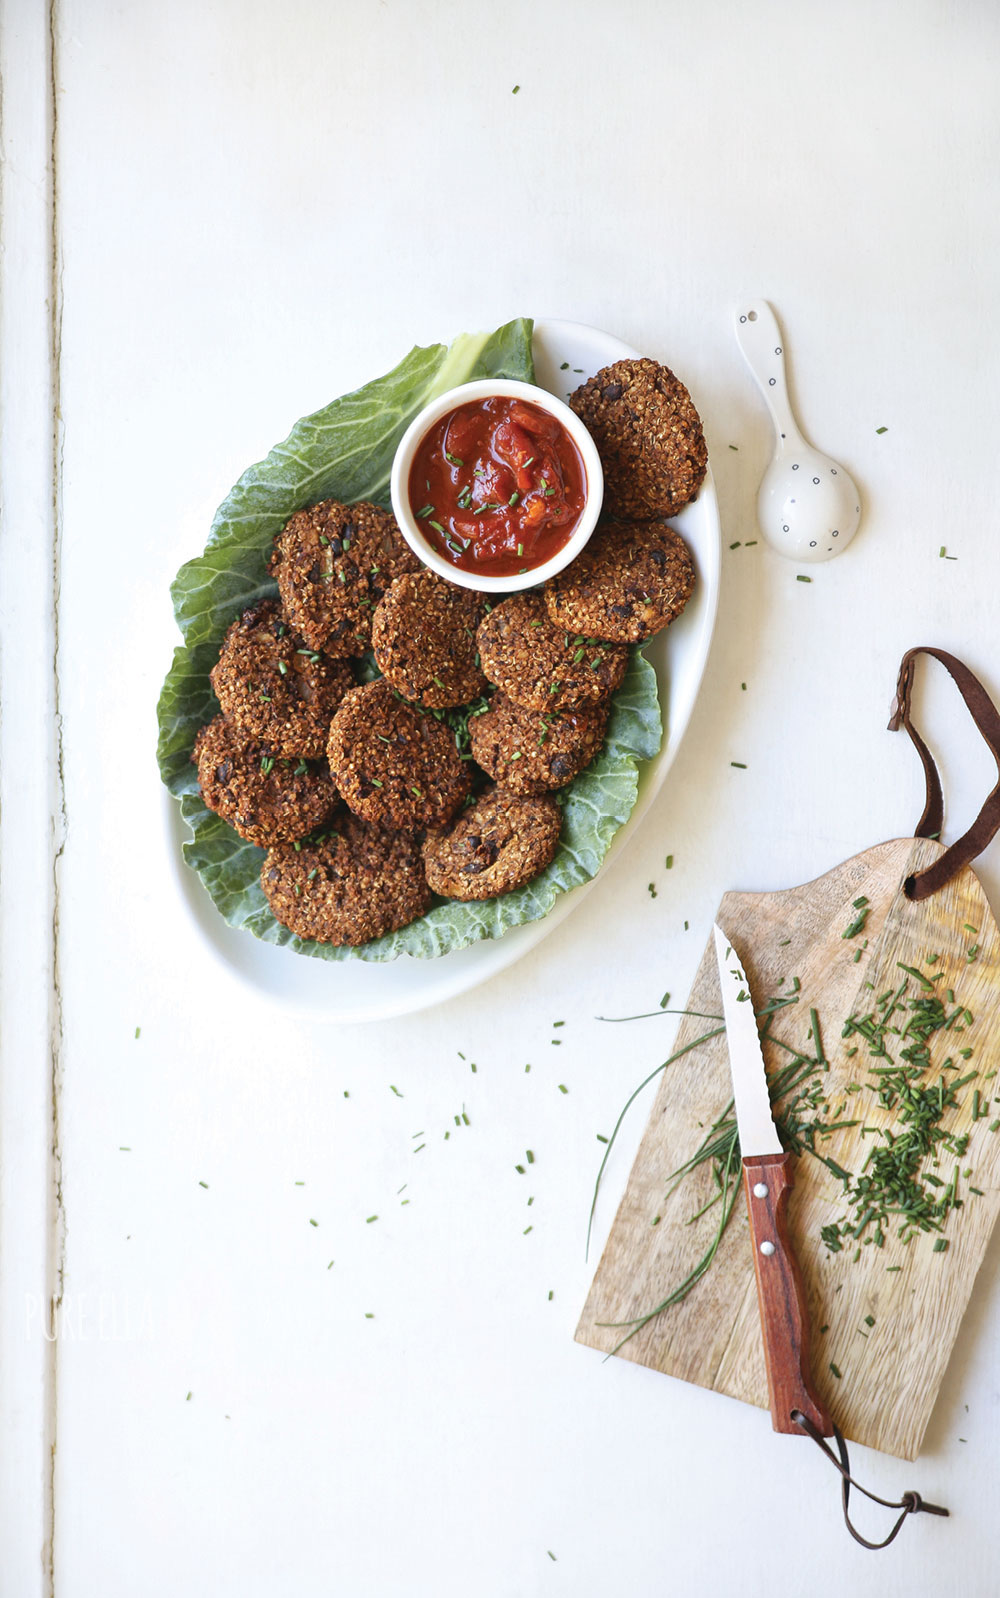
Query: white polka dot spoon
x=808 y=506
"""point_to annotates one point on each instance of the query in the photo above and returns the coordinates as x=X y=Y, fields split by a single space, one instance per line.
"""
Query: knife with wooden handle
x=767 y=1181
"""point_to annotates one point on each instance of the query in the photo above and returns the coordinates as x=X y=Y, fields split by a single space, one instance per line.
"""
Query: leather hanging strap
x=911 y=1503
x=984 y=714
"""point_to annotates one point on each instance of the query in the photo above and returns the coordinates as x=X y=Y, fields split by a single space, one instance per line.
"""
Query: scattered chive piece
x=368 y=1219
x=664 y=1001
x=801 y=579
x=312 y=1222
x=138 y=1030
x=519 y=1169
x=739 y=764
x=202 y=1184
x=529 y=1156
x=940 y=1245
x=600 y=1137
x=869 y=1320
x=527 y=1229
x=669 y=861
x=834 y=1371
x=563 y=1088
x=516 y=90
x=881 y=429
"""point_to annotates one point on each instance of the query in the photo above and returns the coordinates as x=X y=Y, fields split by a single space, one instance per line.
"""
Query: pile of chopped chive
x=897 y=1186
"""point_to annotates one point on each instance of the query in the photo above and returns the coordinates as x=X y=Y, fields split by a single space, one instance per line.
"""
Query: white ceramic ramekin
x=410 y=527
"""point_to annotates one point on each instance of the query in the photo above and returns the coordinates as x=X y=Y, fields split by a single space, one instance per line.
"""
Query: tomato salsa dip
x=498 y=486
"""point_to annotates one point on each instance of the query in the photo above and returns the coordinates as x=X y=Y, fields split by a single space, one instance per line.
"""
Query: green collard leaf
x=345 y=452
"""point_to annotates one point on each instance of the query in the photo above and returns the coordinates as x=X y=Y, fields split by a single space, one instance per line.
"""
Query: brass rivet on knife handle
x=784 y=1318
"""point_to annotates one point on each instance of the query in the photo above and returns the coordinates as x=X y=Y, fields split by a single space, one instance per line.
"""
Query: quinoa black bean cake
x=631 y=580
x=394 y=763
x=424 y=640
x=333 y=563
x=535 y=751
x=498 y=844
x=542 y=666
x=359 y=882
x=274 y=687
x=267 y=798
x=648 y=435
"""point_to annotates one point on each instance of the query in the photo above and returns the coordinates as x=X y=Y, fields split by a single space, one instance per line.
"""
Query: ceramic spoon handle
x=759 y=337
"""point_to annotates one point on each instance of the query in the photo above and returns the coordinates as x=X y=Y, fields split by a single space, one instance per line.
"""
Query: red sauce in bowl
x=498 y=486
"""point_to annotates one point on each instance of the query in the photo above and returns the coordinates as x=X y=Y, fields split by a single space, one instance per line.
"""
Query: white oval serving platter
x=565 y=353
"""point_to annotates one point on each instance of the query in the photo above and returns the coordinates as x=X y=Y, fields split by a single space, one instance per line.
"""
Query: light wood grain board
x=890 y=1371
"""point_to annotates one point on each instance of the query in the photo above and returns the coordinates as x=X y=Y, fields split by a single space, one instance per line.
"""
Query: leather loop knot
x=911 y=1502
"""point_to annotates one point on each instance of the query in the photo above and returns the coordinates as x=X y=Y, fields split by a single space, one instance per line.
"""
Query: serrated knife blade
x=758 y=1133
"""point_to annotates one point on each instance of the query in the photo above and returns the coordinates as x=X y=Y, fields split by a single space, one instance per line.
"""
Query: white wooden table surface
x=216 y=217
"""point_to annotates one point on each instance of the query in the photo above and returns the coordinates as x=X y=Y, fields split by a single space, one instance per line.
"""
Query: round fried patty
x=542 y=666
x=274 y=687
x=534 y=751
x=267 y=798
x=498 y=844
x=333 y=563
x=648 y=435
x=424 y=638
x=394 y=763
x=631 y=580
x=358 y=883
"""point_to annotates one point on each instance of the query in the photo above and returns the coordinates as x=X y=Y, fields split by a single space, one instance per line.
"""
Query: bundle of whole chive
x=797 y=1094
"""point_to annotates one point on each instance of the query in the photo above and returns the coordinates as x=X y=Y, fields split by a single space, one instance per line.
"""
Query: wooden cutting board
x=890 y=1370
